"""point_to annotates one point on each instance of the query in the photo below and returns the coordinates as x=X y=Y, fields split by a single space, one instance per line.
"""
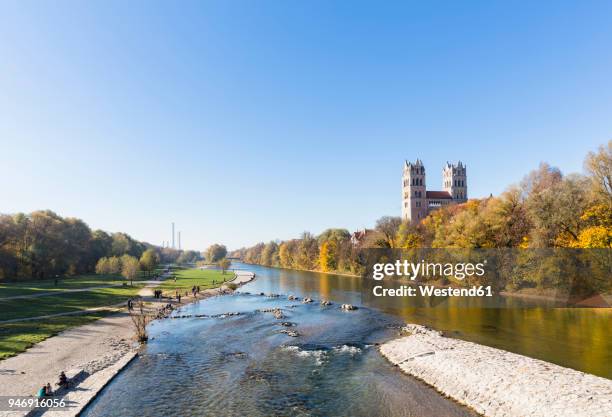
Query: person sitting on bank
x=63 y=379
x=41 y=392
x=48 y=390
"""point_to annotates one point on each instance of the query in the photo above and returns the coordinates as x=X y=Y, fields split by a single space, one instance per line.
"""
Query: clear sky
x=247 y=121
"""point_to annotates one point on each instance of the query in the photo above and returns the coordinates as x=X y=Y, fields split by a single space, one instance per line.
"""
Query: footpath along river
x=244 y=365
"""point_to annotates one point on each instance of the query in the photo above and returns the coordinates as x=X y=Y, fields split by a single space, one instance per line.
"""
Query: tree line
x=545 y=210
x=42 y=245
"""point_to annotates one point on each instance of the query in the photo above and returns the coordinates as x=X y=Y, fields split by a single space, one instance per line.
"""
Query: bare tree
x=140 y=319
x=599 y=165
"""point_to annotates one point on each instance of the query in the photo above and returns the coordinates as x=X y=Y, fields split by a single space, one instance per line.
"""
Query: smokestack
x=172 y=235
x=179 y=239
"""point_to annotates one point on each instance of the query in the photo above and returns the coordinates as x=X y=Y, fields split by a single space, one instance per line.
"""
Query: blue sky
x=247 y=121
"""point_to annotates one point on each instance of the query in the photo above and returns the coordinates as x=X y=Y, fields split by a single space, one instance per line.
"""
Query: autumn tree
x=129 y=268
x=599 y=166
x=215 y=253
x=269 y=254
x=388 y=226
x=149 y=260
x=102 y=267
x=114 y=265
x=224 y=264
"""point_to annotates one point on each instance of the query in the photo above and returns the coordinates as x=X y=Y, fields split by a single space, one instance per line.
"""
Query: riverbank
x=96 y=351
x=495 y=382
x=342 y=274
x=550 y=295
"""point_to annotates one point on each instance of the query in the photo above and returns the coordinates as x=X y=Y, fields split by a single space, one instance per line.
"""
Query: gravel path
x=58 y=292
x=495 y=382
x=146 y=291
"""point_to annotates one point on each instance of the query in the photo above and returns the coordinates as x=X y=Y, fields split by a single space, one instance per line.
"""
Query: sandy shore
x=98 y=350
x=495 y=382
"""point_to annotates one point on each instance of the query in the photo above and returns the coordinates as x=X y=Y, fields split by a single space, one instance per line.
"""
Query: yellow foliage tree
x=327 y=255
x=594 y=237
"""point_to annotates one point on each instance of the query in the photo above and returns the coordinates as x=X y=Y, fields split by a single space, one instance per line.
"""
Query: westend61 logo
x=429 y=270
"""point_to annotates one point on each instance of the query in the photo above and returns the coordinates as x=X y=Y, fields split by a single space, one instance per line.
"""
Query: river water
x=577 y=338
x=243 y=365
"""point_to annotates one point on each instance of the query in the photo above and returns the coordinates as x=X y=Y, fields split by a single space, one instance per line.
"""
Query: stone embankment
x=495 y=382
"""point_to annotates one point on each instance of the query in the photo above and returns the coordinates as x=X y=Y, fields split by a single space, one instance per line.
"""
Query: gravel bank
x=495 y=382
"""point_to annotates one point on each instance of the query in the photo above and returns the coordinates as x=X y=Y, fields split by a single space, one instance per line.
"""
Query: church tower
x=414 y=195
x=454 y=179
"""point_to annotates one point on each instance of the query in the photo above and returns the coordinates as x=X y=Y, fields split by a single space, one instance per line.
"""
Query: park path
x=144 y=292
x=58 y=292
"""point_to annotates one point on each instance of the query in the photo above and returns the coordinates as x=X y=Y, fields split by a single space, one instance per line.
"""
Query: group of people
x=195 y=290
x=46 y=390
x=157 y=294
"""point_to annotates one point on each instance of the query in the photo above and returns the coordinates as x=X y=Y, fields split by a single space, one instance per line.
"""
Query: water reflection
x=575 y=338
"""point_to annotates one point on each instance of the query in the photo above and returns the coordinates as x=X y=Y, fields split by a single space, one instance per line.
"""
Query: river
x=244 y=364
x=577 y=338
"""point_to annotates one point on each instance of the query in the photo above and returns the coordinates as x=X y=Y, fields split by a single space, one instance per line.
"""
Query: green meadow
x=187 y=278
x=49 y=298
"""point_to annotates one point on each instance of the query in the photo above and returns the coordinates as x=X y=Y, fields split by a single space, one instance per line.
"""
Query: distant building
x=417 y=202
x=358 y=237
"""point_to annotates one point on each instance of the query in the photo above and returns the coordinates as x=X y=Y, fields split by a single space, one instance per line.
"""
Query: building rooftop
x=439 y=195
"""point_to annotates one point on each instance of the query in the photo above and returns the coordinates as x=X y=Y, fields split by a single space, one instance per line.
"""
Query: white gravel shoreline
x=497 y=383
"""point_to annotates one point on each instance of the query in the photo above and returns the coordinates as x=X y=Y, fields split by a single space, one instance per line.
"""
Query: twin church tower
x=417 y=202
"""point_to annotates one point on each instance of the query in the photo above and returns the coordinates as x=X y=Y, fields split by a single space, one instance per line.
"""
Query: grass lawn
x=17 y=337
x=187 y=278
x=10 y=289
x=60 y=303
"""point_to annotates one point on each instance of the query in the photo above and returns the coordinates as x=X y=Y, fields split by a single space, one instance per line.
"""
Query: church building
x=417 y=201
